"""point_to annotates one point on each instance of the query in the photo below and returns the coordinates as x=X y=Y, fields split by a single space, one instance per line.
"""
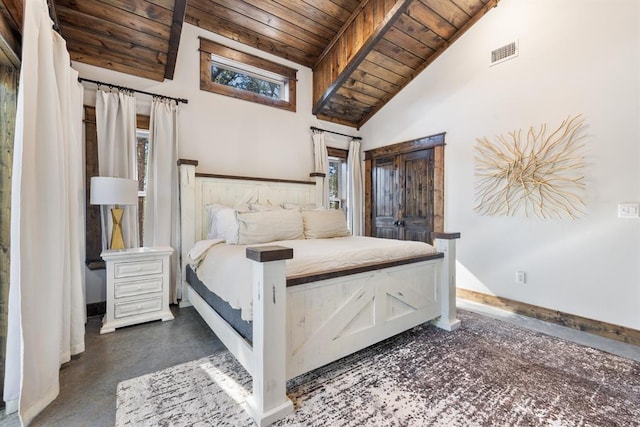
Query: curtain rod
x=337 y=133
x=110 y=85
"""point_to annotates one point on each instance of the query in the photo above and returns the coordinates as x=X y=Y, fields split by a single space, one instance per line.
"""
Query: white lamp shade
x=113 y=191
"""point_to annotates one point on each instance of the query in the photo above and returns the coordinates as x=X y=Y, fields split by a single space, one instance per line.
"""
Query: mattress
x=231 y=315
x=226 y=272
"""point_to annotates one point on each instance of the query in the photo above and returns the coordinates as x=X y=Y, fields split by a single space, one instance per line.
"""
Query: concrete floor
x=88 y=383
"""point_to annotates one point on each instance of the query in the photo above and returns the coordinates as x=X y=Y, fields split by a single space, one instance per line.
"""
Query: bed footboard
x=300 y=328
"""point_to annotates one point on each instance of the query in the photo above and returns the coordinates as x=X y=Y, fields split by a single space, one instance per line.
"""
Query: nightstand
x=137 y=286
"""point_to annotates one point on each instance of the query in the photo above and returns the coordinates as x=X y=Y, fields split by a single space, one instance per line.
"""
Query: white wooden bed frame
x=299 y=328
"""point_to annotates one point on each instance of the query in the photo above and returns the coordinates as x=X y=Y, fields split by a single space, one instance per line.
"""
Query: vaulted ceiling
x=362 y=52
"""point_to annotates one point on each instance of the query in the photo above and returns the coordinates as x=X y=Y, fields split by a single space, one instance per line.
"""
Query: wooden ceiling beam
x=179 y=13
x=361 y=51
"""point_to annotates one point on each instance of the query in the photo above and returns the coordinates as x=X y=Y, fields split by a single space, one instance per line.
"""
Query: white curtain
x=46 y=289
x=355 y=189
x=321 y=165
x=161 y=214
x=117 y=157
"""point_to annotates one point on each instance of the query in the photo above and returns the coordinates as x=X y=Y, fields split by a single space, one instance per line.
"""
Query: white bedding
x=225 y=270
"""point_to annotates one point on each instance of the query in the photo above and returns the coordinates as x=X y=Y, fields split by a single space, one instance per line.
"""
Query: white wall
x=576 y=56
x=226 y=135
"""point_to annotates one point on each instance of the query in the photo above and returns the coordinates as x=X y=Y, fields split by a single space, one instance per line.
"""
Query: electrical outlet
x=628 y=210
x=521 y=277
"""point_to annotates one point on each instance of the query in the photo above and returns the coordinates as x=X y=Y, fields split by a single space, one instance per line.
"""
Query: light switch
x=628 y=210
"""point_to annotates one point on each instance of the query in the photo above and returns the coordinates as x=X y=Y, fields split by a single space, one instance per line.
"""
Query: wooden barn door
x=404 y=189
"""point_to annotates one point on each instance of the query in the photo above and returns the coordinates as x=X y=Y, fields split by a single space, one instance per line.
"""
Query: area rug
x=487 y=373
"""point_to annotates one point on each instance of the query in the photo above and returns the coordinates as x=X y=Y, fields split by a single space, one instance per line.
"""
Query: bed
x=296 y=321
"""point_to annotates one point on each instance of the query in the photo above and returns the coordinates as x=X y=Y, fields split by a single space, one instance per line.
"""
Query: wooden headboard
x=197 y=190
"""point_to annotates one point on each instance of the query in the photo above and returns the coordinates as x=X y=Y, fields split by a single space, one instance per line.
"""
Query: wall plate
x=628 y=210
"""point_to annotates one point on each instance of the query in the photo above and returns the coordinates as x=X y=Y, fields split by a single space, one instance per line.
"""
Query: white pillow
x=227 y=226
x=269 y=226
x=224 y=223
x=261 y=207
x=325 y=223
x=297 y=206
x=212 y=211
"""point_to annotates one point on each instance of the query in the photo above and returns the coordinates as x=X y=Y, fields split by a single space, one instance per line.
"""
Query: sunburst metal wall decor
x=531 y=174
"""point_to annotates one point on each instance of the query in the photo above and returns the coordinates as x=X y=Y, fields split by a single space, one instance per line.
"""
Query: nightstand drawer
x=139 y=287
x=137 y=268
x=133 y=308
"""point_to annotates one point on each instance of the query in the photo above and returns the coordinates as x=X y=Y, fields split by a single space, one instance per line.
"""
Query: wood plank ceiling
x=362 y=52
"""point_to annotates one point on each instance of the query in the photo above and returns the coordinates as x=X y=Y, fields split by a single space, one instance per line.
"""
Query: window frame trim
x=208 y=47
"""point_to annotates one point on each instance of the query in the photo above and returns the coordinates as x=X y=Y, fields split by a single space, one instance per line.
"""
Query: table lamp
x=114 y=191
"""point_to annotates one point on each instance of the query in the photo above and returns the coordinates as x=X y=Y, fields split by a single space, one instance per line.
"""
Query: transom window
x=249 y=79
x=230 y=72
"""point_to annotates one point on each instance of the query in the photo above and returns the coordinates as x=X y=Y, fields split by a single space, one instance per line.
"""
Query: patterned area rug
x=487 y=373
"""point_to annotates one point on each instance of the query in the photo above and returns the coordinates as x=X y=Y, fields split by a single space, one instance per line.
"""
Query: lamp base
x=117 y=240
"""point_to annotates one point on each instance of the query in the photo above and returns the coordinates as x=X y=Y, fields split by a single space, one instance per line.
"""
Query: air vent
x=504 y=53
